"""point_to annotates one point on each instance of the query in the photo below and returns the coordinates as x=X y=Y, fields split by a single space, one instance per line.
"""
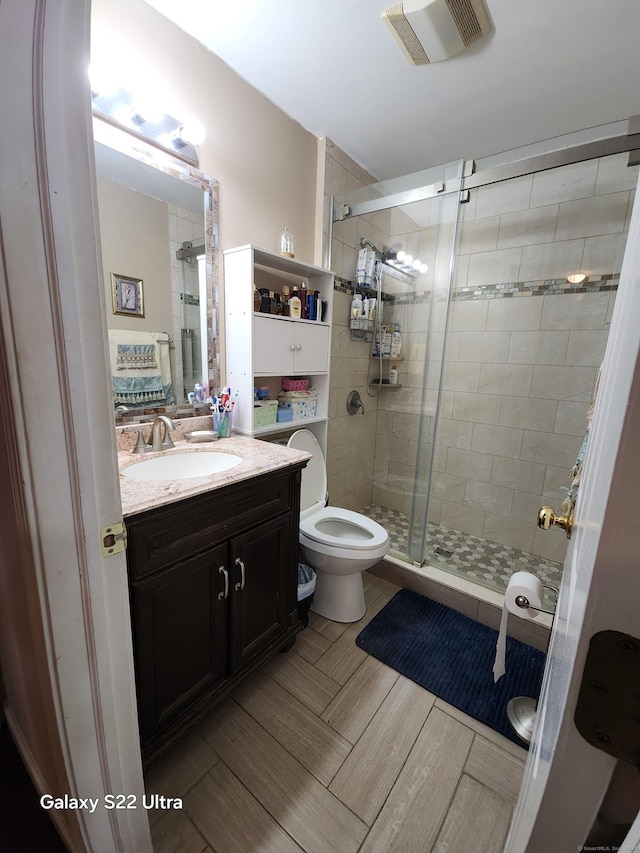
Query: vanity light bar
x=160 y=129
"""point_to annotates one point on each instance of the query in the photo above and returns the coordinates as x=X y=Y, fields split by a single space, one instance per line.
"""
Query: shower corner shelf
x=361 y=329
x=385 y=385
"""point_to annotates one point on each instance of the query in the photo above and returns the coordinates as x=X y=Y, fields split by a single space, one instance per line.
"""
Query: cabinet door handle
x=240 y=584
x=223 y=595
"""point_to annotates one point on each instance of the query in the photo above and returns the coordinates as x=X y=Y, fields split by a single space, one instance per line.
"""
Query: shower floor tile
x=470 y=557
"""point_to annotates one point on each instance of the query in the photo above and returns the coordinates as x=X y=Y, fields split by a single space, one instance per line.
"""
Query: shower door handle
x=547 y=518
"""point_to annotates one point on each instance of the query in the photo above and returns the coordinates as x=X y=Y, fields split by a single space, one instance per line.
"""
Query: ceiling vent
x=436 y=29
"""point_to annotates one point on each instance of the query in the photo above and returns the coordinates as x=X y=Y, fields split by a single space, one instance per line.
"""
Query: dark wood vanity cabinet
x=213 y=586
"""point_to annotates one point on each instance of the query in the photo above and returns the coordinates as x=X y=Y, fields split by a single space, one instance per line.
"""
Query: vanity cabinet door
x=273 y=346
x=311 y=353
x=181 y=637
x=264 y=589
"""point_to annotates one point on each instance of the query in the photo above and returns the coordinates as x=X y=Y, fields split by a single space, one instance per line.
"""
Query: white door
x=273 y=346
x=312 y=349
x=566 y=778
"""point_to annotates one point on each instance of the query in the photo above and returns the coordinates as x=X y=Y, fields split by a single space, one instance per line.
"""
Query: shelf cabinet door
x=181 y=637
x=311 y=354
x=263 y=589
x=273 y=346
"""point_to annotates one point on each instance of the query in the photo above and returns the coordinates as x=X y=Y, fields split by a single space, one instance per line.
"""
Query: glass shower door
x=416 y=215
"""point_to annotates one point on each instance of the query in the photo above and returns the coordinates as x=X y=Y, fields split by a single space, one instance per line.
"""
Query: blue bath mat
x=451 y=655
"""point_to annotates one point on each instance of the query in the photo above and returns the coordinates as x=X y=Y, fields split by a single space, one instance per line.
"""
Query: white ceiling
x=548 y=68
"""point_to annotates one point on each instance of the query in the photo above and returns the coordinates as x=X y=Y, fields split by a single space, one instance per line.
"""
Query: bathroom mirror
x=158 y=229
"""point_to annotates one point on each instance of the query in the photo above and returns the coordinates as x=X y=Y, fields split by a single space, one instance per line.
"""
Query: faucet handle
x=141 y=444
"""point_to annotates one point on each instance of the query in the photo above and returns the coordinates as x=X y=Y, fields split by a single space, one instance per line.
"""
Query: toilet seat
x=343 y=529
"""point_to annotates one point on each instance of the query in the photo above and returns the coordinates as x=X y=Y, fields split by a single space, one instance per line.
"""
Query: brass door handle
x=547 y=518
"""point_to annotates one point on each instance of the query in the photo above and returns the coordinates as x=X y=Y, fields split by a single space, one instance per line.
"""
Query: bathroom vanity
x=212 y=565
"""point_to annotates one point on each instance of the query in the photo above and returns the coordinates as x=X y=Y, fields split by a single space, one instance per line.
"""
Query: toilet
x=338 y=543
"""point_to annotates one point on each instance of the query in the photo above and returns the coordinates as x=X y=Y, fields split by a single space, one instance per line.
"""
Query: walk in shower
x=502 y=338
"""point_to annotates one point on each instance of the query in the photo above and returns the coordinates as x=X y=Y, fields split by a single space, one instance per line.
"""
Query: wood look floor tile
x=343 y=657
x=231 y=819
x=302 y=733
x=174 y=831
x=365 y=779
x=312 y=687
x=325 y=627
x=181 y=767
x=308 y=812
x=478 y=820
x=310 y=645
x=495 y=768
x=415 y=809
x=356 y=703
x=485 y=731
x=380 y=584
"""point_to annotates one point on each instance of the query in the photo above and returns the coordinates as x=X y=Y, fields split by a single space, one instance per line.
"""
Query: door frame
x=59 y=427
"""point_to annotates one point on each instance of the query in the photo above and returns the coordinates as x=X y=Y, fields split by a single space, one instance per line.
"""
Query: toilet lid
x=314 y=476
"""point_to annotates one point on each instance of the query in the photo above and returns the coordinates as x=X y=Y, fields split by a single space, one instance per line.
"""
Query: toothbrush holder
x=222 y=423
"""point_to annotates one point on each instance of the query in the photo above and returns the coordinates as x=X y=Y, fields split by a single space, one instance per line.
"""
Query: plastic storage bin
x=302 y=403
x=306 y=588
x=265 y=413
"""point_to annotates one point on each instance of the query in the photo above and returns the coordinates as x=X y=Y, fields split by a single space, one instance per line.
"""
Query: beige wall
x=265 y=161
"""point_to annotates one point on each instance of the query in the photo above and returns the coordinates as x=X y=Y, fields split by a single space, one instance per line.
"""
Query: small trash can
x=306 y=588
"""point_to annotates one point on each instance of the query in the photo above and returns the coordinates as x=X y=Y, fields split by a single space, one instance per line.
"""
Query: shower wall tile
x=603 y=255
x=525 y=413
x=514 y=315
x=575 y=311
x=488 y=497
x=509 y=531
x=527 y=476
x=484 y=346
x=464 y=518
x=527 y=227
x=476 y=408
x=505 y=197
x=455 y=434
x=461 y=376
x=604 y=214
x=507 y=379
x=548 y=546
x=614 y=175
x=549 y=448
x=492 y=267
x=557 y=480
x=465 y=463
x=468 y=316
x=574 y=384
x=537 y=347
x=564 y=184
x=447 y=487
x=571 y=418
x=497 y=441
x=479 y=235
x=551 y=260
x=526 y=505
x=586 y=348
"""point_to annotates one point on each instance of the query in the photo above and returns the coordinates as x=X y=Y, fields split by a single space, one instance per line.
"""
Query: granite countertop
x=258 y=457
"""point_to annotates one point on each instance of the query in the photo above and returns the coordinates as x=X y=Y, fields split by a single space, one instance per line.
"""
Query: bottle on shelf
x=285 y=301
x=393 y=375
x=396 y=341
x=295 y=306
x=304 y=303
x=286 y=243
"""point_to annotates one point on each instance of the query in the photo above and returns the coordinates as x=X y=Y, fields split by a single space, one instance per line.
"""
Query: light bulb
x=408 y=260
x=417 y=264
x=401 y=255
x=423 y=268
x=576 y=278
x=192 y=132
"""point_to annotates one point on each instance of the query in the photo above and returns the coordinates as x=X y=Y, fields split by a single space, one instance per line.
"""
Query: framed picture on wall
x=126 y=294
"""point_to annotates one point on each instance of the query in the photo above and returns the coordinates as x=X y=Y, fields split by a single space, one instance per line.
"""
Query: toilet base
x=339 y=597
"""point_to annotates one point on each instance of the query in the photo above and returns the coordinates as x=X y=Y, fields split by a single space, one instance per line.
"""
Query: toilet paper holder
x=523 y=602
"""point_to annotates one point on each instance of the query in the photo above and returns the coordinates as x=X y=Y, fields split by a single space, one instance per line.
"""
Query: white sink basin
x=181 y=466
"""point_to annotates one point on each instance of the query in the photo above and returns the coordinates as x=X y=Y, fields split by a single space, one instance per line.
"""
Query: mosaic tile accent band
x=488 y=564
x=506 y=290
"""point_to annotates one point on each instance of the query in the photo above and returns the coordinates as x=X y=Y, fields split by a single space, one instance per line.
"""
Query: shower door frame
x=468 y=180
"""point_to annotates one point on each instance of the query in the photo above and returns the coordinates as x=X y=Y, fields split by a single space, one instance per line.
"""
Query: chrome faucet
x=160 y=438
